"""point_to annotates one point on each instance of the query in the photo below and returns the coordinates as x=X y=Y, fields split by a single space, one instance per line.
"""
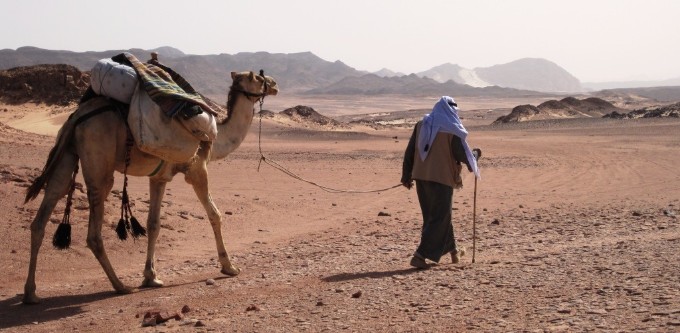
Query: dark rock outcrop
x=49 y=84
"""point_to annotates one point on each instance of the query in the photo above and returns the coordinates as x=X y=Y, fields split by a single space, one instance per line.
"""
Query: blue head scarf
x=444 y=118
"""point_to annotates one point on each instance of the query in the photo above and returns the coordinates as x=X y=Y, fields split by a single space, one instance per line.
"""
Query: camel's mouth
x=272 y=87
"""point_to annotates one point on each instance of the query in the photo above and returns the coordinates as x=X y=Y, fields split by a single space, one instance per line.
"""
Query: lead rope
x=291 y=174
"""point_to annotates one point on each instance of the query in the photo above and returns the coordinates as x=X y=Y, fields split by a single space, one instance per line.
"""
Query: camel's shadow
x=14 y=314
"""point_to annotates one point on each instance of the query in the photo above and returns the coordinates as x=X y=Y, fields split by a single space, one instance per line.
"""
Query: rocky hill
x=568 y=107
x=49 y=84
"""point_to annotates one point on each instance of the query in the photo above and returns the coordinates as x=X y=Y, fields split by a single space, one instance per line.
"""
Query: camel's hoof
x=125 y=290
x=152 y=283
x=31 y=299
x=231 y=271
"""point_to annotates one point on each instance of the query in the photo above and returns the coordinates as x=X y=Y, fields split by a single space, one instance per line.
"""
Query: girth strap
x=96 y=112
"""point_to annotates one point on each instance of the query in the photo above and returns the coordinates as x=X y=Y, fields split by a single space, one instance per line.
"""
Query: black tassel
x=124 y=224
x=62 y=237
x=137 y=229
x=121 y=229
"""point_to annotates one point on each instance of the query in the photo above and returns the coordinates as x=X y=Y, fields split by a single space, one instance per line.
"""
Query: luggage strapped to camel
x=167 y=117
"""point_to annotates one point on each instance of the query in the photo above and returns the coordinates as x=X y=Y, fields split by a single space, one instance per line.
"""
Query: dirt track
x=577 y=225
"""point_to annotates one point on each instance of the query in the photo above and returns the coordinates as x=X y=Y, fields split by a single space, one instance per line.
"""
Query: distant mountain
x=630 y=84
x=29 y=56
x=306 y=73
x=209 y=74
x=529 y=74
x=371 y=84
x=630 y=95
x=455 y=73
x=443 y=73
x=387 y=73
x=169 y=52
x=294 y=72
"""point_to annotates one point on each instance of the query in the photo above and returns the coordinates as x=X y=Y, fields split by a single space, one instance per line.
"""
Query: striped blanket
x=165 y=87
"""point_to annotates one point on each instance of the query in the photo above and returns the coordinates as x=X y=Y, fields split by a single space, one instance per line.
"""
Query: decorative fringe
x=136 y=228
x=128 y=223
x=62 y=237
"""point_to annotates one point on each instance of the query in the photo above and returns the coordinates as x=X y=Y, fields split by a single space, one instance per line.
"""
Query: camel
x=99 y=143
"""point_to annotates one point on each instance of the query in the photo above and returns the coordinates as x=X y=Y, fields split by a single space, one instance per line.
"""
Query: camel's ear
x=233 y=75
x=251 y=76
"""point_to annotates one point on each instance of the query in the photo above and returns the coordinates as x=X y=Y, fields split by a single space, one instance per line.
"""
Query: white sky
x=595 y=40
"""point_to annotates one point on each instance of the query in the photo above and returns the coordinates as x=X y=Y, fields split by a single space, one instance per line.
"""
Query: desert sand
x=576 y=222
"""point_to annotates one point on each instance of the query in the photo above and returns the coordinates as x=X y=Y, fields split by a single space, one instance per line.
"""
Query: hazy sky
x=595 y=40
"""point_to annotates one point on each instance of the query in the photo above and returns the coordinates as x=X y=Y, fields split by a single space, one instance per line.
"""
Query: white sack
x=203 y=126
x=114 y=80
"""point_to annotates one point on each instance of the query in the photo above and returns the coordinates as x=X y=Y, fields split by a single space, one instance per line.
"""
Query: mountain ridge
x=301 y=72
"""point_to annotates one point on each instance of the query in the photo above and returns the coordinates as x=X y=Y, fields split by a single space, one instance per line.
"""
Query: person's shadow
x=372 y=275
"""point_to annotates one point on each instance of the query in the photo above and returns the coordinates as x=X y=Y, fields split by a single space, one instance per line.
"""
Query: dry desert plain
x=576 y=223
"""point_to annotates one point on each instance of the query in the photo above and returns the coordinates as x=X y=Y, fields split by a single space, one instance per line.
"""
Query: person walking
x=433 y=158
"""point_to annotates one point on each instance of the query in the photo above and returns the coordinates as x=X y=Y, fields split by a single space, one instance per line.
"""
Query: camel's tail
x=63 y=138
x=85 y=111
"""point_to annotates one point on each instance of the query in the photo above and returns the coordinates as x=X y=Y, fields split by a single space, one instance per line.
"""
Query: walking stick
x=474 y=223
x=478 y=153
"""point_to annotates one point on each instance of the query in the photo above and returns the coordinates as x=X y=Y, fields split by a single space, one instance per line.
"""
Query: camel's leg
x=198 y=178
x=97 y=191
x=153 y=227
x=57 y=187
x=98 y=161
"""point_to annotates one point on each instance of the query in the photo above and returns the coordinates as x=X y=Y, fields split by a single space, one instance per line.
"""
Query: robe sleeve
x=409 y=155
x=458 y=152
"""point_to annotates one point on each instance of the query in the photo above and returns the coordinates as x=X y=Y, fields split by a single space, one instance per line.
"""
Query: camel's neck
x=231 y=134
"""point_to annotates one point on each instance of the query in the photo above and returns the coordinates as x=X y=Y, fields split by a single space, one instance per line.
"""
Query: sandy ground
x=576 y=221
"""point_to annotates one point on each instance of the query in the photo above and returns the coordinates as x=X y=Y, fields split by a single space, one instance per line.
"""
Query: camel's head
x=254 y=85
